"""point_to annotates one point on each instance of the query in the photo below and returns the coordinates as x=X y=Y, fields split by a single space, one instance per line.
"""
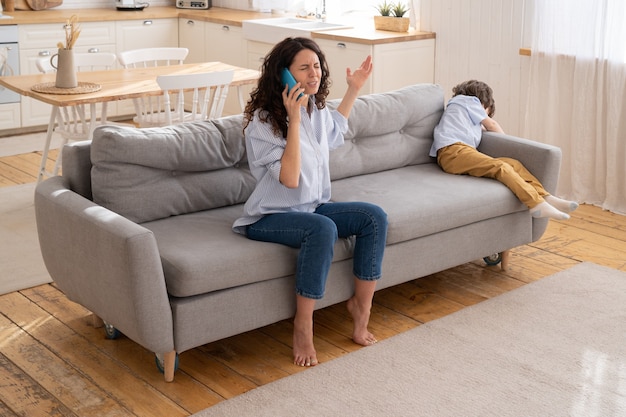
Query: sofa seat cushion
x=422 y=199
x=200 y=253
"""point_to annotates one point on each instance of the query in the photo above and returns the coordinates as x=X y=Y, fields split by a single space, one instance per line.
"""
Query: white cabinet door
x=400 y=64
x=225 y=43
x=191 y=35
x=146 y=33
x=208 y=42
x=9 y=115
x=341 y=55
x=396 y=64
x=256 y=52
x=47 y=35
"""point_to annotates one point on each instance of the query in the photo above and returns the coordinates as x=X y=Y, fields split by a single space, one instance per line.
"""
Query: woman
x=289 y=133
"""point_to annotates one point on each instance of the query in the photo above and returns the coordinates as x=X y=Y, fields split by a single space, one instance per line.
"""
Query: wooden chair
x=149 y=110
x=210 y=90
x=75 y=123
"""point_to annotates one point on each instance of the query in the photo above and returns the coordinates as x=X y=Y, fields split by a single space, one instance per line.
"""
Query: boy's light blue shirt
x=321 y=131
x=460 y=122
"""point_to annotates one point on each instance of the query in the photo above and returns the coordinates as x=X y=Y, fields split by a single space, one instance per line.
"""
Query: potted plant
x=384 y=8
x=399 y=9
x=392 y=17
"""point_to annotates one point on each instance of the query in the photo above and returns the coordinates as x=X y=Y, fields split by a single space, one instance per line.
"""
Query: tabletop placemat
x=51 y=88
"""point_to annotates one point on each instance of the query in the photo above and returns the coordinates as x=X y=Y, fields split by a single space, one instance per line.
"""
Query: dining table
x=101 y=87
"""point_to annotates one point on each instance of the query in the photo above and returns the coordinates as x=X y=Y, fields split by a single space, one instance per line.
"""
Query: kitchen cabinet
x=40 y=40
x=146 y=33
x=341 y=55
x=225 y=43
x=209 y=41
x=9 y=116
x=191 y=35
x=256 y=52
x=396 y=64
x=143 y=33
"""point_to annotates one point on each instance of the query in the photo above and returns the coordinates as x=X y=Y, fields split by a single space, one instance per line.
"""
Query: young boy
x=457 y=136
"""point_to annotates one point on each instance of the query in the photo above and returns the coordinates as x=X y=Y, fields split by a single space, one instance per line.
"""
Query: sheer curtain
x=577 y=95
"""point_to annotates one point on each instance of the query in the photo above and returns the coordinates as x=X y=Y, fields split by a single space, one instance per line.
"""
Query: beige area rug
x=26 y=143
x=21 y=264
x=556 y=347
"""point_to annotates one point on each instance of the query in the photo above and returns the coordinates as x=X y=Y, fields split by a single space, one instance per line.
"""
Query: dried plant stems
x=72 y=30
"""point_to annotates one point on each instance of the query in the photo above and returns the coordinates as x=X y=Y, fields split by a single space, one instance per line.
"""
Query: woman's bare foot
x=361 y=317
x=303 y=349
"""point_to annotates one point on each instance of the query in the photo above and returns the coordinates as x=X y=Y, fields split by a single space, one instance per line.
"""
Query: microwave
x=193 y=4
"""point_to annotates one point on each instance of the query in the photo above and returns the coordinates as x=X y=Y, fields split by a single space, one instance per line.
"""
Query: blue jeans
x=316 y=233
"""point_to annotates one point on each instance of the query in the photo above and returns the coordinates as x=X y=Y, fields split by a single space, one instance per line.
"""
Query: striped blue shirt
x=321 y=131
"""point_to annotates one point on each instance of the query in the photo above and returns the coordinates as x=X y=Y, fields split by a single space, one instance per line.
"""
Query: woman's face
x=306 y=69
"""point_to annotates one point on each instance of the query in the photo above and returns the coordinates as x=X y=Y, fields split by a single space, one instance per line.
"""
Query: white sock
x=546 y=210
x=565 y=206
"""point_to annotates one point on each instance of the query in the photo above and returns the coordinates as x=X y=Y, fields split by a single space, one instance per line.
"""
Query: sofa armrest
x=542 y=160
x=104 y=262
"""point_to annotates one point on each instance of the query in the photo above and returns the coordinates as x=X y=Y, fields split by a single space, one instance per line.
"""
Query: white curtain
x=577 y=95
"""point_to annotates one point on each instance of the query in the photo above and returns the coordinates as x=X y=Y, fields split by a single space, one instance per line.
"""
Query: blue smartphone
x=288 y=79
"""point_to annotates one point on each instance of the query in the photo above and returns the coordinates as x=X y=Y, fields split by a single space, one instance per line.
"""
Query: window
x=334 y=8
x=581 y=28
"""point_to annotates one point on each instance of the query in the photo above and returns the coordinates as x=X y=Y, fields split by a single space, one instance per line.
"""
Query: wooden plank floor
x=54 y=363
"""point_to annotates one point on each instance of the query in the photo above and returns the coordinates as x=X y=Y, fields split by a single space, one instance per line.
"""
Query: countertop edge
x=372 y=37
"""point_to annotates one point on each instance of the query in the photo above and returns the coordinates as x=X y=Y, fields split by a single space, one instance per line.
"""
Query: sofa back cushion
x=388 y=130
x=153 y=173
x=149 y=174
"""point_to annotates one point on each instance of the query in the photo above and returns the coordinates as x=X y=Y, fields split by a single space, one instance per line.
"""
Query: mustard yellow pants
x=464 y=159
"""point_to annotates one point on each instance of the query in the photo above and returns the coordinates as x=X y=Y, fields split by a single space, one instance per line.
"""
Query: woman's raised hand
x=357 y=78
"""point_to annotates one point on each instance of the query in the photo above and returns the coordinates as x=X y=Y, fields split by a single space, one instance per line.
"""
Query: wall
x=480 y=39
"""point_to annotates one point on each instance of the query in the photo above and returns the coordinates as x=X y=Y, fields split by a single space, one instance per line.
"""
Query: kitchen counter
x=368 y=35
x=234 y=17
x=56 y=15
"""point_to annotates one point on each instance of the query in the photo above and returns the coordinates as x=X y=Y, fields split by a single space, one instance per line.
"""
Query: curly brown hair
x=267 y=96
x=480 y=90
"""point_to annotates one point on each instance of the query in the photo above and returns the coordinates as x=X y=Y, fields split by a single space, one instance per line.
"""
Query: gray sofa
x=138 y=227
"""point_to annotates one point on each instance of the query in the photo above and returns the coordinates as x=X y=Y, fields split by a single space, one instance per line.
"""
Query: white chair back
x=210 y=91
x=77 y=122
x=152 y=57
x=86 y=61
x=150 y=110
x=94 y=61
